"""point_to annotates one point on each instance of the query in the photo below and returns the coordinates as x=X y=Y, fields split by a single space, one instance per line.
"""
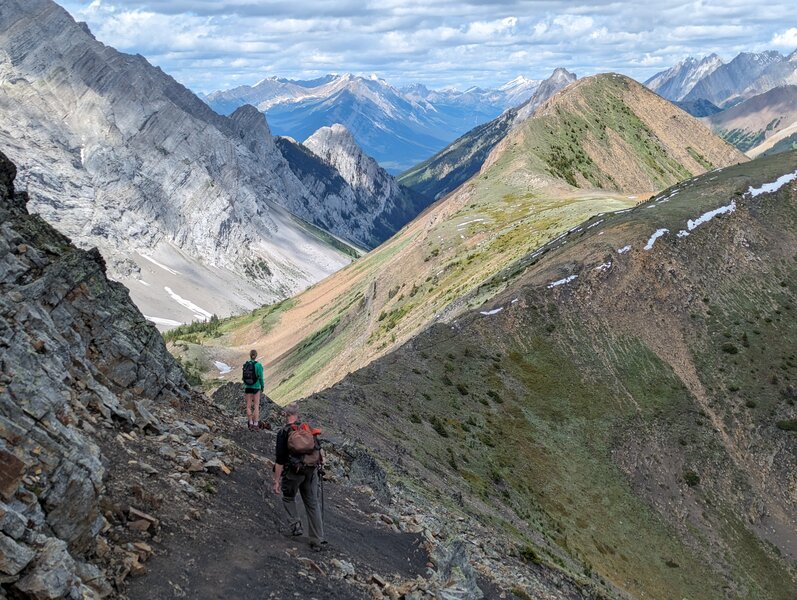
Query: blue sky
x=218 y=44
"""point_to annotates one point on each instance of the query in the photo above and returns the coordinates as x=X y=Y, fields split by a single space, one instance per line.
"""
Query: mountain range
x=606 y=383
x=724 y=84
x=197 y=213
x=570 y=376
x=398 y=127
x=460 y=160
x=748 y=101
x=596 y=146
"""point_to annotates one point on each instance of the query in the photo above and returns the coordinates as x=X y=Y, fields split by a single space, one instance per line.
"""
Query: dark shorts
x=251 y=390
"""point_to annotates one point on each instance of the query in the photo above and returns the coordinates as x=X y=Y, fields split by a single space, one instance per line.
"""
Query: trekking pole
x=321 y=487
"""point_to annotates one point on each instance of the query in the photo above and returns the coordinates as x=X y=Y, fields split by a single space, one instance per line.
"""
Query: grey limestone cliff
x=74 y=351
x=118 y=155
x=363 y=202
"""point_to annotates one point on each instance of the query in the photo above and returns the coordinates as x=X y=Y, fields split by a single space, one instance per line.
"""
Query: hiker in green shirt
x=253 y=387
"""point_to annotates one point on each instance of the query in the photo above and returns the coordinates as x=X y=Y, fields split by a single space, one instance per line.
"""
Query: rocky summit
x=362 y=202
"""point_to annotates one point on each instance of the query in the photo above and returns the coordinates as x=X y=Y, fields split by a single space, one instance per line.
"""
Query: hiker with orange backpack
x=297 y=467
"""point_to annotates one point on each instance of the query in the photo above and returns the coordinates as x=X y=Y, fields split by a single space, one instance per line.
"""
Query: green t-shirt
x=259 y=383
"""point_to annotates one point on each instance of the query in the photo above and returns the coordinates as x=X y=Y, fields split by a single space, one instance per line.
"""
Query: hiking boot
x=294 y=532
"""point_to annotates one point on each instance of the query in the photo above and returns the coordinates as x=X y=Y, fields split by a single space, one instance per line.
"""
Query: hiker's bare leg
x=248 y=399
x=256 y=400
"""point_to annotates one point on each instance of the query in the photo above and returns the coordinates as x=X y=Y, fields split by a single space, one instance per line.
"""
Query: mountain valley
x=196 y=213
x=543 y=332
x=531 y=189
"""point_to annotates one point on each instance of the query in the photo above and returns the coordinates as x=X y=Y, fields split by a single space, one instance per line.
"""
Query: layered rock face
x=745 y=76
x=116 y=154
x=75 y=351
x=381 y=206
x=676 y=82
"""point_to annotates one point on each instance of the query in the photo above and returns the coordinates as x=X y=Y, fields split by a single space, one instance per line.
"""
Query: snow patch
x=554 y=284
x=142 y=282
x=515 y=300
x=668 y=198
x=157 y=264
x=604 y=267
x=624 y=249
x=683 y=233
x=774 y=186
x=469 y=222
x=654 y=237
x=160 y=321
x=223 y=368
x=202 y=313
x=495 y=311
x=595 y=224
x=705 y=217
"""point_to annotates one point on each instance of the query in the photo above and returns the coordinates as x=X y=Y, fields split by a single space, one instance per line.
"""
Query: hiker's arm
x=277 y=479
x=280 y=458
x=260 y=377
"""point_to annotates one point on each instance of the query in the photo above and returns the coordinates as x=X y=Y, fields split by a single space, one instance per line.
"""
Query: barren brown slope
x=540 y=183
x=757 y=119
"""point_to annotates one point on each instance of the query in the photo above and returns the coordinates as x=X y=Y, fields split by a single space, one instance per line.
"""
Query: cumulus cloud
x=212 y=44
x=786 y=39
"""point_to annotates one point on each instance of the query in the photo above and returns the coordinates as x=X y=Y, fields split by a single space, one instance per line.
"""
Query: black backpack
x=249 y=373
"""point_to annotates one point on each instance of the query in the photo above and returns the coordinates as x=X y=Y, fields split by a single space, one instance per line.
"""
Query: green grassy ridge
x=513 y=233
x=556 y=139
x=538 y=407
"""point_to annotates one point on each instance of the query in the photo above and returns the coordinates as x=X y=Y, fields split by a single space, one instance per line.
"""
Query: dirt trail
x=237 y=549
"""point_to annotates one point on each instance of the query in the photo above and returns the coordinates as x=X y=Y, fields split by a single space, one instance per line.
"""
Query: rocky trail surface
x=233 y=542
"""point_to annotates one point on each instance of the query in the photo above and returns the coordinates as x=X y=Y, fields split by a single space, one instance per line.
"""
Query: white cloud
x=574 y=25
x=786 y=39
x=204 y=43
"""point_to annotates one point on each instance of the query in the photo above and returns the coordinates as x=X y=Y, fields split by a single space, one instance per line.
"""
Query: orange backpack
x=303 y=445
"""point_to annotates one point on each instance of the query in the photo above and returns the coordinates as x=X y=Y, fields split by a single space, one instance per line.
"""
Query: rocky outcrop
x=362 y=201
x=558 y=80
x=676 y=82
x=76 y=355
